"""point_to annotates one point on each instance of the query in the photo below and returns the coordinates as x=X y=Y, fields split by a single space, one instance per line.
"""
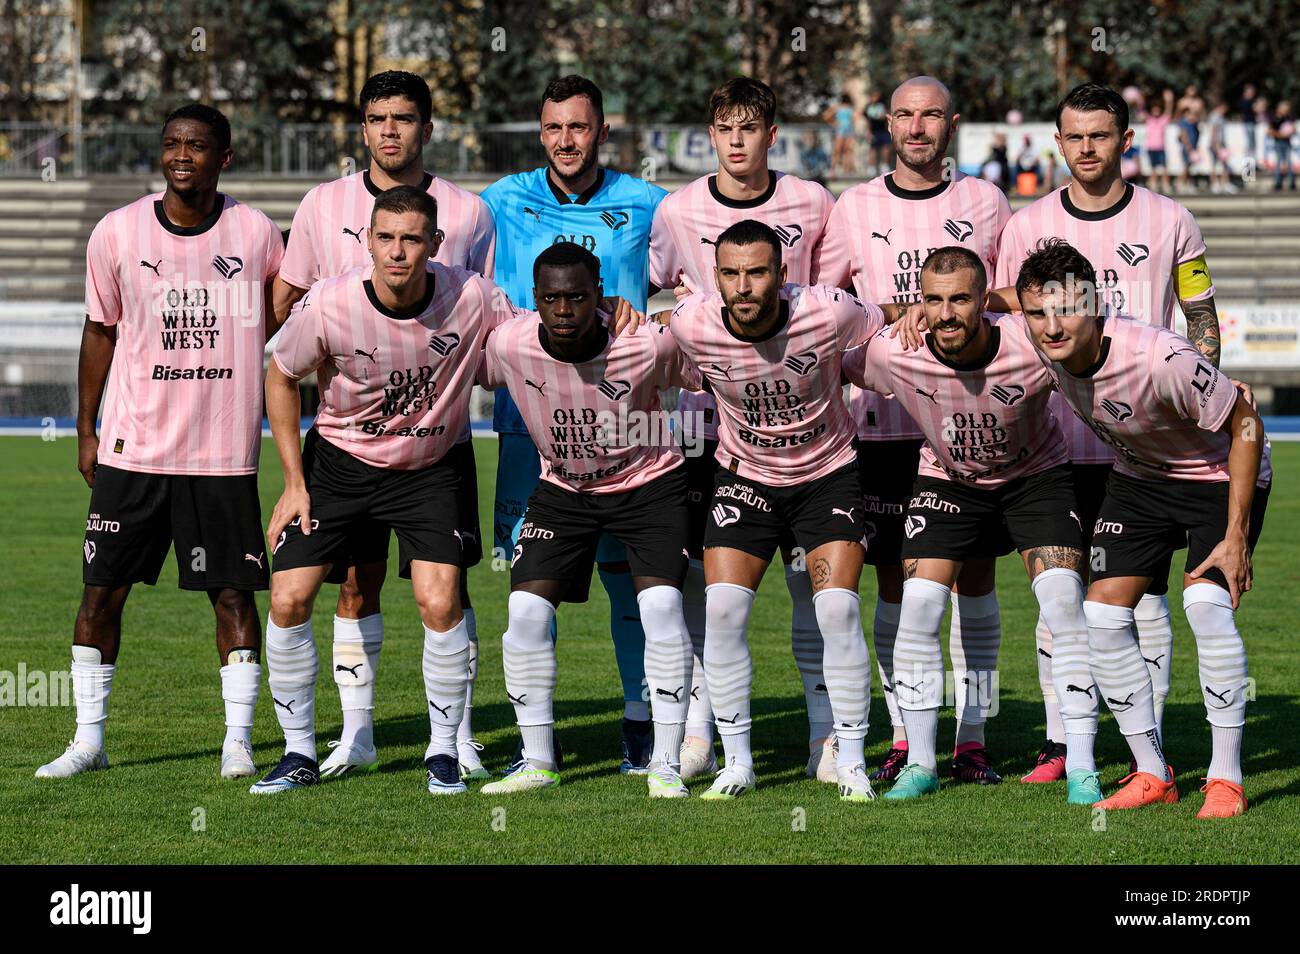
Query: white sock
x=668 y=659
x=92 y=681
x=1156 y=643
x=357 y=643
x=806 y=644
x=728 y=668
x=1221 y=662
x=1079 y=752
x=529 y=656
x=974 y=637
x=1051 y=704
x=918 y=667
x=446 y=670
x=1059 y=592
x=291 y=669
x=465 y=730
x=1121 y=677
x=884 y=631
x=699 y=716
x=239 y=685
x=847 y=668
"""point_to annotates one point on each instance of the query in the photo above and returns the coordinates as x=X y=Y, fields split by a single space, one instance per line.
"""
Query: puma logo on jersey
x=929 y=394
x=356 y=235
x=1117 y=409
x=444 y=345
x=1133 y=254
x=248 y=557
x=725 y=372
x=339 y=667
x=843 y=513
x=884 y=238
x=913 y=525
x=1008 y=394
x=358 y=353
x=1122 y=704
x=228 y=267
x=959 y=229
x=1174 y=352
x=153 y=268
x=1200 y=271
x=535 y=386
x=537 y=216
x=801 y=364
x=615 y=220
x=707 y=241
x=1079 y=523
x=724 y=515
x=788 y=234
x=614 y=390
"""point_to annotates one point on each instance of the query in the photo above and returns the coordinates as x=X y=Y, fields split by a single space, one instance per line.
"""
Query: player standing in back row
x=575 y=199
x=879 y=236
x=1150 y=259
x=742 y=128
x=328 y=238
x=177 y=305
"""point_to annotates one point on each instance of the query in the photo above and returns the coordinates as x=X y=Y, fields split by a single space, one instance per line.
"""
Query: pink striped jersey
x=1154 y=399
x=329 y=233
x=684 y=236
x=780 y=400
x=395 y=386
x=184 y=392
x=985 y=424
x=596 y=422
x=1136 y=247
x=879 y=236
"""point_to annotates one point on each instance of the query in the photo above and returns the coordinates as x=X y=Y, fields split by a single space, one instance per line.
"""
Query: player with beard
x=395 y=345
x=878 y=237
x=573 y=198
x=1150 y=256
x=178 y=307
x=1187 y=460
x=771 y=353
x=597 y=478
x=742 y=129
x=328 y=238
x=993 y=478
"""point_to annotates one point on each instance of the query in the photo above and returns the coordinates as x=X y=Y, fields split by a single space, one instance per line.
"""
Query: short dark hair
x=1090 y=97
x=397 y=83
x=745 y=96
x=404 y=198
x=562 y=254
x=1054 y=260
x=566 y=87
x=748 y=232
x=952 y=258
x=214 y=119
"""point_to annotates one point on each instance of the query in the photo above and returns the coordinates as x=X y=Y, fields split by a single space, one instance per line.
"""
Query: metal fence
x=32 y=150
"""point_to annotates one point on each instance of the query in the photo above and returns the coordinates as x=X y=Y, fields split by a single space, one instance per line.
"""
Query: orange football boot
x=1223 y=799
x=1142 y=789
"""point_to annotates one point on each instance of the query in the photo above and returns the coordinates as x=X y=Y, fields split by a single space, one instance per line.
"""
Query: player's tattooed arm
x=1203 y=327
x=1038 y=559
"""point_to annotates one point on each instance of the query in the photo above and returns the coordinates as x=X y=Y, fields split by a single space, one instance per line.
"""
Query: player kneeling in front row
x=590 y=401
x=771 y=353
x=993 y=477
x=1187 y=457
x=395 y=345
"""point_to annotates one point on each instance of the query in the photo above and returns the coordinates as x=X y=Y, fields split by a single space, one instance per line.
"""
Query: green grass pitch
x=162 y=801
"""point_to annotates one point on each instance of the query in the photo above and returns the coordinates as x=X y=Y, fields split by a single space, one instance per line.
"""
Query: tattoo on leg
x=1039 y=559
x=909 y=568
x=1203 y=327
x=821 y=573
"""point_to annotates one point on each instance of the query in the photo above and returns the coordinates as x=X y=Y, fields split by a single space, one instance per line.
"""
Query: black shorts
x=1142 y=523
x=757 y=518
x=214 y=524
x=369 y=542
x=562 y=529
x=701 y=471
x=1090 y=482
x=951 y=520
x=886 y=473
x=348 y=495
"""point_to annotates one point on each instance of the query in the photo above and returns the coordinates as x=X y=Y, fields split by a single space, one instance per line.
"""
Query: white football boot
x=854 y=784
x=821 y=759
x=664 y=782
x=78 y=757
x=471 y=765
x=347 y=757
x=525 y=777
x=698 y=758
x=237 y=760
x=732 y=782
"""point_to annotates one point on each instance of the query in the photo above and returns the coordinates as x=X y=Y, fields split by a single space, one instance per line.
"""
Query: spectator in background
x=841 y=119
x=1281 y=128
x=877 y=115
x=1217 y=134
x=1049 y=169
x=1156 y=124
x=1028 y=176
x=1246 y=113
x=997 y=168
x=1189 y=137
x=1262 y=119
x=1192 y=102
x=813 y=157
